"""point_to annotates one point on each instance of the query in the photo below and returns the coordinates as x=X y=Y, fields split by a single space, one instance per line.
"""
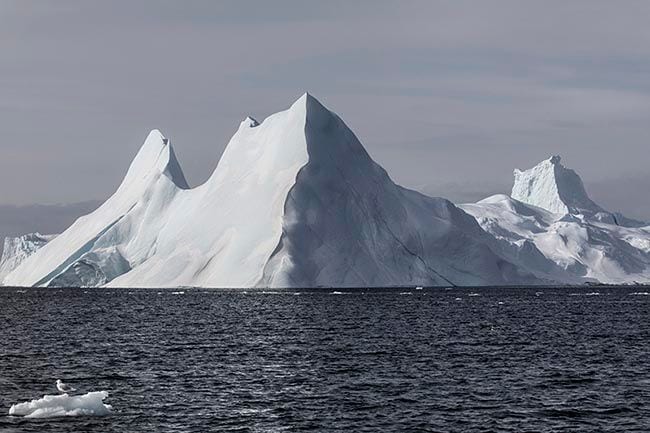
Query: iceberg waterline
x=89 y=404
x=296 y=201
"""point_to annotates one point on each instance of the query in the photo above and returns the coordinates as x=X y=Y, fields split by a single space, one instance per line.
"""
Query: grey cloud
x=441 y=93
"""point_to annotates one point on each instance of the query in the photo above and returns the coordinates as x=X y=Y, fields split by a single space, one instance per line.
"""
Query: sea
x=363 y=360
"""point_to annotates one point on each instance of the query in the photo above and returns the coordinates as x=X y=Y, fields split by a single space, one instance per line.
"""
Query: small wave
x=90 y=404
x=585 y=294
x=178 y=293
x=406 y=293
x=337 y=293
x=459 y=299
x=473 y=294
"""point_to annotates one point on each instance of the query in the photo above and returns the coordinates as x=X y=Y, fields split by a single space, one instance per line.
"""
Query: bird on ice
x=64 y=388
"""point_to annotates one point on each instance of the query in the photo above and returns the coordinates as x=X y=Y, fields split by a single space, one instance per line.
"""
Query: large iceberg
x=295 y=201
x=550 y=227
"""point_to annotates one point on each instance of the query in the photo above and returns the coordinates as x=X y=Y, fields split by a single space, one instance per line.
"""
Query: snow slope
x=17 y=249
x=294 y=201
x=91 y=252
x=552 y=228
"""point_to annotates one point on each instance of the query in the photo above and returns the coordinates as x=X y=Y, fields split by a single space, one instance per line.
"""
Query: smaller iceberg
x=90 y=404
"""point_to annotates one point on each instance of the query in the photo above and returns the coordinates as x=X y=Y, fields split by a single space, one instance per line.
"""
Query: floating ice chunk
x=90 y=404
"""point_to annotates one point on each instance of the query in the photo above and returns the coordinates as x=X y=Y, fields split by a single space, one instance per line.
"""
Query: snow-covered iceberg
x=550 y=227
x=90 y=404
x=295 y=201
x=17 y=249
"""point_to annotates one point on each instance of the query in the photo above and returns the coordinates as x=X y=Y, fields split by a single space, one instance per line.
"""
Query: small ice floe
x=178 y=293
x=585 y=294
x=640 y=294
x=90 y=404
x=473 y=294
x=21 y=291
x=337 y=293
x=499 y=303
x=419 y=288
x=459 y=299
x=405 y=293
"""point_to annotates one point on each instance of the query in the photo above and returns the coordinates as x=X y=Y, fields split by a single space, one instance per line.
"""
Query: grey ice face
x=448 y=96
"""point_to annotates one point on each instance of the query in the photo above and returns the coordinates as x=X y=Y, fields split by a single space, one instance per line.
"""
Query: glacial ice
x=295 y=201
x=90 y=404
x=553 y=187
x=17 y=249
x=551 y=227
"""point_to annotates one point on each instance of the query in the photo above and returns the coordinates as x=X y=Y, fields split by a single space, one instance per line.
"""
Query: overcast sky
x=449 y=96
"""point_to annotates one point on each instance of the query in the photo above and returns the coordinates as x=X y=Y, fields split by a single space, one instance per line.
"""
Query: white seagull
x=64 y=388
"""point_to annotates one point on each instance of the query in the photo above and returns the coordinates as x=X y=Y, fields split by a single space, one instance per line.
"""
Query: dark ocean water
x=430 y=360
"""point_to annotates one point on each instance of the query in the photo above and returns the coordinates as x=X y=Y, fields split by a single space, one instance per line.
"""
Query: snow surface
x=550 y=227
x=17 y=249
x=294 y=201
x=90 y=404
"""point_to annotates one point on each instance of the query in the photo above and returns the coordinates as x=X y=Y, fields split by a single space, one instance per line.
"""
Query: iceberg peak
x=551 y=186
x=155 y=156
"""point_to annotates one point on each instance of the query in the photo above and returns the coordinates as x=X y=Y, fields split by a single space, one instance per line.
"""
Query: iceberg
x=550 y=227
x=90 y=404
x=17 y=249
x=295 y=201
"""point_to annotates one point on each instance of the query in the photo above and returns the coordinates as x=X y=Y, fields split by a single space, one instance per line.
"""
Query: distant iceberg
x=17 y=249
x=549 y=226
x=90 y=404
